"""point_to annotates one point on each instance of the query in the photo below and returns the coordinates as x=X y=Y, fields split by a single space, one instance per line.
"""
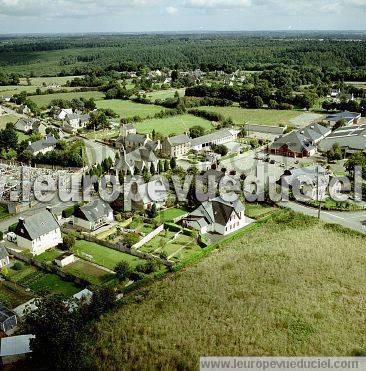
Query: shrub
x=123 y=270
x=18 y=266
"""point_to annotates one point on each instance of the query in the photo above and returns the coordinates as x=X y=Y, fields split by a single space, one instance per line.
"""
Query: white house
x=93 y=215
x=217 y=216
x=62 y=113
x=4 y=257
x=38 y=232
x=76 y=121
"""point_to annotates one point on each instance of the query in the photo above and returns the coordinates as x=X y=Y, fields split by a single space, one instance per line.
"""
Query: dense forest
x=342 y=56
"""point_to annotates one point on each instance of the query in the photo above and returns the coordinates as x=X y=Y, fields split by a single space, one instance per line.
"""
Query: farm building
x=351 y=118
x=38 y=232
x=177 y=146
x=65 y=259
x=43 y=146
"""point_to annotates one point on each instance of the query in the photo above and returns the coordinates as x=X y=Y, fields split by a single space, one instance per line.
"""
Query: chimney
x=21 y=220
x=29 y=143
x=48 y=208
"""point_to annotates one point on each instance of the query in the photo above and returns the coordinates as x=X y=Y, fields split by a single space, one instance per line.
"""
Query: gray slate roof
x=94 y=210
x=179 y=139
x=209 y=138
x=49 y=141
x=351 y=137
x=38 y=224
x=346 y=115
x=215 y=211
x=5 y=313
x=136 y=138
x=295 y=141
x=3 y=252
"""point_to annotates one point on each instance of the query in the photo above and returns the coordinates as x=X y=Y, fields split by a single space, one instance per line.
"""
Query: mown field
x=102 y=255
x=165 y=94
x=45 y=100
x=4 y=119
x=172 y=125
x=290 y=287
x=255 y=116
x=128 y=109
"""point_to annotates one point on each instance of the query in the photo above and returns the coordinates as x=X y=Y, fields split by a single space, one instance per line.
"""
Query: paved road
x=352 y=220
x=98 y=152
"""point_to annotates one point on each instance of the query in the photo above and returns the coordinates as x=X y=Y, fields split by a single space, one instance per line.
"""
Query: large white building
x=38 y=233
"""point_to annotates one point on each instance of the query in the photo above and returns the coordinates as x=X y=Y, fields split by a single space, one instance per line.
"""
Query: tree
x=174 y=75
x=166 y=165
x=130 y=239
x=196 y=131
x=220 y=149
x=58 y=332
x=152 y=169
x=154 y=211
x=161 y=167
x=123 y=270
x=9 y=137
x=335 y=153
x=68 y=243
x=173 y=163
x=339 y=124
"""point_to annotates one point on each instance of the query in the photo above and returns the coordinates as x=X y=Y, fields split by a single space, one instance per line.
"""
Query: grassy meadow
x=45 y=100
x=4 y=119
x=172 y=125
x=128 y=109
x=165 y=94
x=293 y=286
x=242 y=116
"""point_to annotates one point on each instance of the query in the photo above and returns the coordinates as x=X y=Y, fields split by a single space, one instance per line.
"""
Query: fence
x=148 y=237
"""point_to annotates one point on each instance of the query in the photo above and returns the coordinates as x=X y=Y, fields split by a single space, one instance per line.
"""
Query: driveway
x=352 y=220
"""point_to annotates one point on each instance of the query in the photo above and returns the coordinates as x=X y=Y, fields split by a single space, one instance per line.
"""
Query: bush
x=68 y=243
x=69 y=211
x=18 y=266
x=172 y=227
x=149 y=267
x=123 y=270
x=12 y=227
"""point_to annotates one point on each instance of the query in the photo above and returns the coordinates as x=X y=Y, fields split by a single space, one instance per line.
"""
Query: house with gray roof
x=4 y=257
x=38 y=232
x=351 y=139
x=134 y=141
x=76 y=121
x=8 y=319
x=93 y=215
x=311 y=181
x=27 y=125
x=177 y=146
x=351 y=118
x=43 y=146
x=140 y=159
x=217 y=216
x=300 y=143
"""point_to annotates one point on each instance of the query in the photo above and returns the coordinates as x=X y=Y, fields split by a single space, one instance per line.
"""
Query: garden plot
x=173 y=245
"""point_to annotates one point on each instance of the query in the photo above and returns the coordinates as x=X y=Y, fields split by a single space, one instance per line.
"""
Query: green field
x=103 y=255
x=4 y=119
x=4 y=211
x=165 y=94
x=290 y=287
x=41 y=282
x=48 y=256
x=128 y=109
x=255 y=116
x=169 y=215
x=89 y=272
x=45 y=100
x=47 y=81
x=172 y=125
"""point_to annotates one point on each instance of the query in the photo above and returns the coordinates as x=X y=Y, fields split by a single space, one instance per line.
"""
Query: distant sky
x=55 y=16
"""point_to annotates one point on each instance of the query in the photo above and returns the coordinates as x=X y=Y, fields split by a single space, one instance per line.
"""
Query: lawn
x=165 y=94
x=169 y=215
x=12 y=295
x=3 y=212
x=103 y=255
x=242 y=116
x=45 y=100
x=41 y=282
x=54 y=80
x=89 y=272
x=291 y=287
x=257 y=211
x=48 y=256
x=172 y=125
x=128 y=109
x=4 y=119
